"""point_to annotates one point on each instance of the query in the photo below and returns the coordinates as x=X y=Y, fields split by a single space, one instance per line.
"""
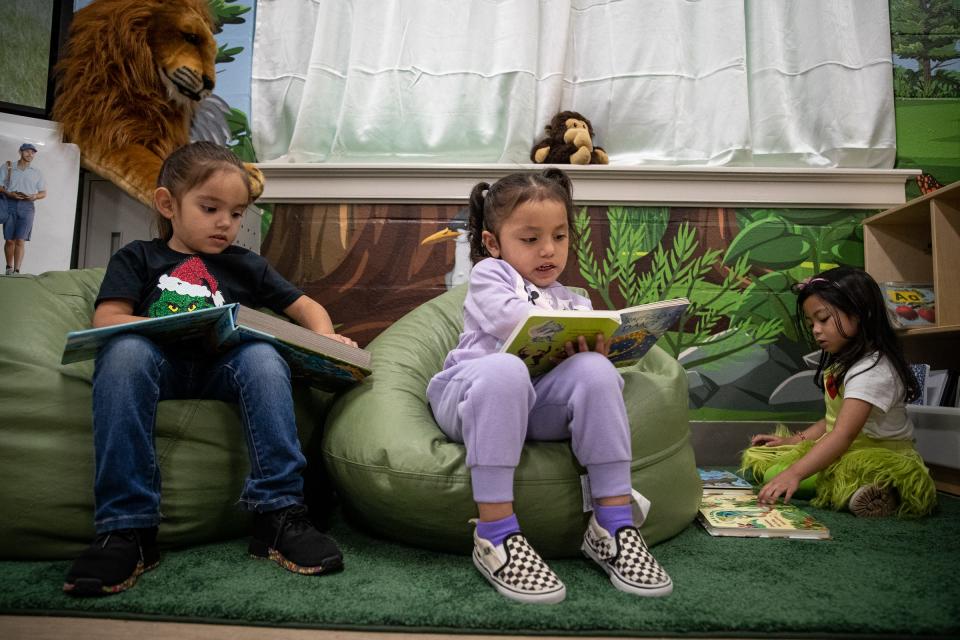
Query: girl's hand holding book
x=600 y=347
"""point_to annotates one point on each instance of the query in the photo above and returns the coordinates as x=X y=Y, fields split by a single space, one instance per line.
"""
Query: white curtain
x=665 y=82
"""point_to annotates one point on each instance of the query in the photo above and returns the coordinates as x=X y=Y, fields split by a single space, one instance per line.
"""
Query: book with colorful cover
x=720 y=480
x=737 y=513
x=540 y=339
x=323 y=362
x=910 y=304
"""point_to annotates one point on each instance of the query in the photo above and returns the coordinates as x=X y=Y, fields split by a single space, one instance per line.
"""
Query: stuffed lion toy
x=569 y=141
x=132 y=77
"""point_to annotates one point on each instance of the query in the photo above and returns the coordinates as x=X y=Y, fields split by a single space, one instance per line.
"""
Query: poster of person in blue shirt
x=20 y=186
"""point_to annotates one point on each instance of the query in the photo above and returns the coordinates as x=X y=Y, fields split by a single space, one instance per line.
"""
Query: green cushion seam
x=636 y=465
x=662 y=454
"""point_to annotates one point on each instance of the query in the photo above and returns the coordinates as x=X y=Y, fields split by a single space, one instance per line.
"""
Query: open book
x=540 y=338
x=737 y=513
x=323 y=362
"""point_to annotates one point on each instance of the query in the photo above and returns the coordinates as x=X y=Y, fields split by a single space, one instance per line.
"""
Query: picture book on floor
x=910 y=304
x=720 y=480
x=539 y=339
x=737 y=513
x=321 y=361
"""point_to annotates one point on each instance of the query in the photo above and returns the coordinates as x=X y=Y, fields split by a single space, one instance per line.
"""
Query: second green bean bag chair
x=399 y=476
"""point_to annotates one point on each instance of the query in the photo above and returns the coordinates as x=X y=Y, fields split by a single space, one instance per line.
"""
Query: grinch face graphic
x=189 y=287
x=171 y=302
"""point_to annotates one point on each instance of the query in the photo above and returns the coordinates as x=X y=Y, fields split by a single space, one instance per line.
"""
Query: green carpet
x=875 y=578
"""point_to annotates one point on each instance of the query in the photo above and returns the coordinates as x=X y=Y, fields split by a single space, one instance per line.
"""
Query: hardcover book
x=737 y=513
x=321 y=361
x=910 y=304
x=540 y=339
x=720 y=480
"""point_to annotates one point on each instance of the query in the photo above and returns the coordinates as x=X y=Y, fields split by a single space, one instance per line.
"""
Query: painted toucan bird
x=457 y=231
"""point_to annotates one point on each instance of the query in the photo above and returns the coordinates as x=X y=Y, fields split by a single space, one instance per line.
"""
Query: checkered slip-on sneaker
x=872 y=501
x=517 y=571
x=626 y=560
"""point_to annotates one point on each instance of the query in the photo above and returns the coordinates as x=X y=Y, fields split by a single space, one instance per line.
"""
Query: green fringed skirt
x=886 y=463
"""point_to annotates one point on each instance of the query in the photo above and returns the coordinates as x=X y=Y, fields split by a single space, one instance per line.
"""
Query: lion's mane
x=111 y=99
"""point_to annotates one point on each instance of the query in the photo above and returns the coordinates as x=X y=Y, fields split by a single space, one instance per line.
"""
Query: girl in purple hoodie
x=520 y=231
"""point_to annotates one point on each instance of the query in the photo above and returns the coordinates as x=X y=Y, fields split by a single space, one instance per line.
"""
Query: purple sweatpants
x=492 y=407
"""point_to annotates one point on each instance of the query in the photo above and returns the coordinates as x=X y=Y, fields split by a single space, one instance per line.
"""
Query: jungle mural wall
x=371 y=264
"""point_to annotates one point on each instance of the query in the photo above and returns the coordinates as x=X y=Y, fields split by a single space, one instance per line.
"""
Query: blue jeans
x=132 y=374
x=19 y=222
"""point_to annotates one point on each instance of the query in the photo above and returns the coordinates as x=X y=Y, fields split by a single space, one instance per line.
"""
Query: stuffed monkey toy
x=569 y=141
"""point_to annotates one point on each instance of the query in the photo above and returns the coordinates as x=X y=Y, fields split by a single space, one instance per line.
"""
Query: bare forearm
x=822 y=455
x=310 y=314
x=111 y=312
x=853 y=415
x=813 y=432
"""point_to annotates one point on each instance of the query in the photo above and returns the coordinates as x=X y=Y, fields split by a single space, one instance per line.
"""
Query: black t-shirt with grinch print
x=160 y=281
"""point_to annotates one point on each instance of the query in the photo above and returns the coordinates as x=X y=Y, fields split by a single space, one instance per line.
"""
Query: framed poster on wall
x=51 y=238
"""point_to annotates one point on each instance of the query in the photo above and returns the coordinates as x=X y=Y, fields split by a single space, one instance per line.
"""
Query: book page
x=539 y=341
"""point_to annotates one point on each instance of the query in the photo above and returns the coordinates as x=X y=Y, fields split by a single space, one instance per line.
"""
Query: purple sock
x=496 y=530
x=613 y=517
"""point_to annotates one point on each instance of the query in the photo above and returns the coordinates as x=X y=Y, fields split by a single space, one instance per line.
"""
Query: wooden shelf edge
x=950 y=193
x=925 y=331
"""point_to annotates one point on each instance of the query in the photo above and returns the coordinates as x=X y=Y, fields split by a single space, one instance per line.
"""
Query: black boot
x=289 y=538
x=113 y=562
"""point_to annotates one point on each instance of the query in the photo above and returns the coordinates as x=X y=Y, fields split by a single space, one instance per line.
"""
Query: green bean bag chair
x=46 y=433
x=398 y=475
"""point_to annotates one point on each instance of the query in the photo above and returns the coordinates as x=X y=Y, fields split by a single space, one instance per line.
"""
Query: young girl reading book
x=202 y=193
x=520 y=236
x=862 y=450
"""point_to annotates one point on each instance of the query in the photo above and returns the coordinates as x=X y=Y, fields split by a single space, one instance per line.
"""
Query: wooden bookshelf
x=920 y=242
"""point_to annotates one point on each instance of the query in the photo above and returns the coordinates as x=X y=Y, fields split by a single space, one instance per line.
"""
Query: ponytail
x=475 y=221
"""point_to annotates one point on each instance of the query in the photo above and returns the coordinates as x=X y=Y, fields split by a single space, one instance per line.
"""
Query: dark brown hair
x=854 y=292
x=191 y=165
x=490 y=205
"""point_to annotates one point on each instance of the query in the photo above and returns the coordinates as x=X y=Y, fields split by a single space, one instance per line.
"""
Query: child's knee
x=128 y=352
x=593 y=370
x=262 y=358
x=505 y=374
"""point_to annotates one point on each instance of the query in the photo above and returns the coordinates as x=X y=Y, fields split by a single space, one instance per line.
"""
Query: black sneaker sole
x=330 y=564
x=93 y=587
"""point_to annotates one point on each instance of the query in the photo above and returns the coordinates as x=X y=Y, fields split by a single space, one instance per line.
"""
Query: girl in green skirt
x=860 y=455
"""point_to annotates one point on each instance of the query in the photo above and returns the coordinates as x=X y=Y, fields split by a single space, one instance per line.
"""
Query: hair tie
x=803 y=284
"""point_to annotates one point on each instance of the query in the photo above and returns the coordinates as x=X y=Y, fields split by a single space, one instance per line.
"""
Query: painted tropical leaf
x=769 y=242
x=225 y=53
x=769 y=298
x=813 y=217
x=848 y=252
x=222 y=14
